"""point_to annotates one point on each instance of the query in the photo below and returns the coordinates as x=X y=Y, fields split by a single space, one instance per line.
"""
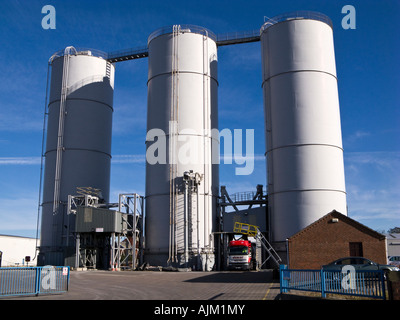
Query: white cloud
x=129 y=158
x=355 y=137
x=382 y=159
x=373 y=188
x=18 y=213
x=19 y=160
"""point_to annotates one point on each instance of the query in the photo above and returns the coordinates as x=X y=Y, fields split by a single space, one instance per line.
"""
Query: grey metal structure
x=249 y=208
x=109 y=239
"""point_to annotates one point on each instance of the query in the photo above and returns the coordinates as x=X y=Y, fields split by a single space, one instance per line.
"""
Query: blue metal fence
x=356 y=283
x=33 y=280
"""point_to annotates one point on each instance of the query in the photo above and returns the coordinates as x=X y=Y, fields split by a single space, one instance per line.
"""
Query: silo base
x=50 y=256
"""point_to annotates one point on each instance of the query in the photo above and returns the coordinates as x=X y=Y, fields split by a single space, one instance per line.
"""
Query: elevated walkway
x=223 y=39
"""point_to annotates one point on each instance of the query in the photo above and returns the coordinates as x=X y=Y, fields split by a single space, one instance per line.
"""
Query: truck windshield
x=241 y=250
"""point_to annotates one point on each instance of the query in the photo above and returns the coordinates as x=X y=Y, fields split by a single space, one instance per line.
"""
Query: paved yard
x=154 y=285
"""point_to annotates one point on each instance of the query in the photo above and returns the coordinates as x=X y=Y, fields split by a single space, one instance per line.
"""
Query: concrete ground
x=167 y=285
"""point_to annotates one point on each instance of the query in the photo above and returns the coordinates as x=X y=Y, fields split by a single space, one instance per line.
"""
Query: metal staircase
x=254 y=231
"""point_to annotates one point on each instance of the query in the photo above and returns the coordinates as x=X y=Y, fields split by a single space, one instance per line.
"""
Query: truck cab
x=239 y=255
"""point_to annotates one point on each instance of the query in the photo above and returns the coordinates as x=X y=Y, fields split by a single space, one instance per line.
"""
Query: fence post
x=283 y=282
x=383 y=284
x=323 y=294
x=37 y=280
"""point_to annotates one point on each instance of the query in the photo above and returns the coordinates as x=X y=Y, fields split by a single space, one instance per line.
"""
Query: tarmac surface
x=167 y=285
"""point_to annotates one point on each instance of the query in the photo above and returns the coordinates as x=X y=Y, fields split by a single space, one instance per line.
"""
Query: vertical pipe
x=186 y=231
x=77 y=250
x=198 y=225
x=134 y=234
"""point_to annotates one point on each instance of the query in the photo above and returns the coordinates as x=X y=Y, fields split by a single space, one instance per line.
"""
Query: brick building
x=332 y=237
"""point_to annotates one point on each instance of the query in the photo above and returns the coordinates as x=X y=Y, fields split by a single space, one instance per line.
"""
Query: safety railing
x=243 y=196
x=347 y=282
x=297 y=15
x=79 y=51
x=245 y=228
x=17 y=281
x=128 y=54
x=238 y=37
x=184 y=28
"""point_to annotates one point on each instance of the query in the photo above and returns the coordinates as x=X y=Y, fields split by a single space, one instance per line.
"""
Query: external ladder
x=254 y=231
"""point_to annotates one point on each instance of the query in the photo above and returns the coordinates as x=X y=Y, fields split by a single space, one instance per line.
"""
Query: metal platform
x=223 y=39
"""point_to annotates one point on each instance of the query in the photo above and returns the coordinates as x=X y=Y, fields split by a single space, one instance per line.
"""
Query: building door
x=356 y=249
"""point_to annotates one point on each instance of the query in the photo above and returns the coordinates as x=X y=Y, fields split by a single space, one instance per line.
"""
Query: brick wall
x=325 y=241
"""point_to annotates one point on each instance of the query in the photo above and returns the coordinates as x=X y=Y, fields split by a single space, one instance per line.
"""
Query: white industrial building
x=393 y=244
x=15 y=249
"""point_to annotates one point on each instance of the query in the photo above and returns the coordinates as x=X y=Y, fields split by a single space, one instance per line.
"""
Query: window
x=344 y=261
x=241 y=250
x=360 y=261
x=356 y=249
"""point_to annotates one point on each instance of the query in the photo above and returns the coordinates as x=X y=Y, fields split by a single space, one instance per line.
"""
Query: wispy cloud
x=385 y=161
x=19 y=160
x=129 y=158
x=373 y=187
x=125 y=159
x=24 y=213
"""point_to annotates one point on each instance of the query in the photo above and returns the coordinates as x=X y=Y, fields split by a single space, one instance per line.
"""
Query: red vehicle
x=239 y=254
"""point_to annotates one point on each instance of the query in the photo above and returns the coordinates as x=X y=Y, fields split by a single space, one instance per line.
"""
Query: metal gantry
x=127 y=249
x=223 y=39
x=226 y=228
x=125 y=246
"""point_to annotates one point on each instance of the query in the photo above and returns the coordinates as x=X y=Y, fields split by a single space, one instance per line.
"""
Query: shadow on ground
x=236 y=277
x=287 y=296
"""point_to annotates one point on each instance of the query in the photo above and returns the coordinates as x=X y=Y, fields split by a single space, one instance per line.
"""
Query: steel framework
x=125 y=247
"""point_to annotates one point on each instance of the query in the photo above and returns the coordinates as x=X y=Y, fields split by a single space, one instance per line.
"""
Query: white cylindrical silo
x=78 y=146
x=303 y=133
x=182 y=110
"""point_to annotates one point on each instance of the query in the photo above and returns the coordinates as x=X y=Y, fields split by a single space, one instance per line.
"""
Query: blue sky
x=368 y=70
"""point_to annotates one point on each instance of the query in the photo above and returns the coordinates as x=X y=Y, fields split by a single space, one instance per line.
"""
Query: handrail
x=79 y=51
x=184 y=28
x=221 y=39
x=296 y=15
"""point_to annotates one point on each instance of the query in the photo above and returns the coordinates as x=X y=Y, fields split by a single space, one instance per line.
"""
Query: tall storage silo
x=78 y=145
x=303 y=133
x=182 y=110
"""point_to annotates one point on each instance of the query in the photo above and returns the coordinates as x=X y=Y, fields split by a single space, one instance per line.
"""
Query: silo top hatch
x=296 y=15
x=184 y=28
